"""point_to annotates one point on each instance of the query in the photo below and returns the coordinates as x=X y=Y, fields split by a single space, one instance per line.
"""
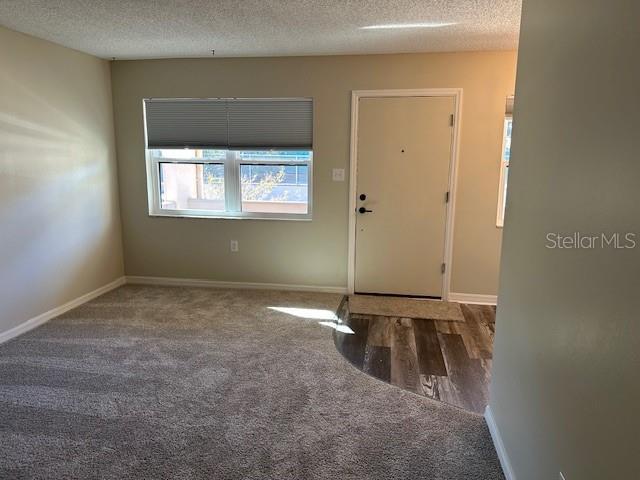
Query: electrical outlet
x=562 y=476
x=338 y=174
x=234 y=245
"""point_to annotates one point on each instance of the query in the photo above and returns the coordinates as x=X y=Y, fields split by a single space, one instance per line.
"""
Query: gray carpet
x=184 y=383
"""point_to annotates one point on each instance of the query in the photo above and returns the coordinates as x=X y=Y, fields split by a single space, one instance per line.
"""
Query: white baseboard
x=190 y=282
x=473 y=298
x=46 y=316
x=499 y=445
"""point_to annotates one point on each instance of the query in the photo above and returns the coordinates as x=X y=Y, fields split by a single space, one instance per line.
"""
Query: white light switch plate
x=338 y=174
x=233 y=246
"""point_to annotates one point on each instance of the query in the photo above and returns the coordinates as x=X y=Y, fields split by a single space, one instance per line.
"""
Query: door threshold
x=398 y=295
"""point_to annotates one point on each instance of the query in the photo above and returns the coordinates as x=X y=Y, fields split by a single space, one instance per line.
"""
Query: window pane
x=275 y=188
x=506 y=154
x=219 y=155
x=188 y=154
x=504 y=177
x=303 y=176
x=192 y=186
x=274 y=156
x=290 y=174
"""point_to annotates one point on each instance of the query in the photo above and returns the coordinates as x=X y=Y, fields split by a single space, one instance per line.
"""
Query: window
x=274 y=181
x=504 y=163
x=229 y=183
x=229 y=158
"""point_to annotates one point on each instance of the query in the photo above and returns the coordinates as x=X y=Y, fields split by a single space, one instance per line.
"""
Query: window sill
x=236 y=216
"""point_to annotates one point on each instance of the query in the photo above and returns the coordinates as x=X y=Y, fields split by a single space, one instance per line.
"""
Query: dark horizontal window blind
x=229 y=123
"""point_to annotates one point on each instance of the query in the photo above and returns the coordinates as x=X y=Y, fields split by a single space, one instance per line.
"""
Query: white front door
x=404 y=156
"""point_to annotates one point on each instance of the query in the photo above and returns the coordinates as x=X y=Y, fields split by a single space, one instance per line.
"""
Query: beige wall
x=311 y=253
x=59 y=220
x=566 y=390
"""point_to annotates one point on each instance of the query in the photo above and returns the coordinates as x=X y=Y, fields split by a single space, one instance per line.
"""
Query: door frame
x=356 y=95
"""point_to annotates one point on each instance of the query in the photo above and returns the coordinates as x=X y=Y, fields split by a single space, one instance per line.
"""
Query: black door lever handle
x=364 y=210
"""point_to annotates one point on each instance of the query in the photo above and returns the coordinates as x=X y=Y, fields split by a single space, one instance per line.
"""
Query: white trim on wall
x=192 y=282
x=507 y=469
x=356 y=95
x=473 y=298
x=54 y=312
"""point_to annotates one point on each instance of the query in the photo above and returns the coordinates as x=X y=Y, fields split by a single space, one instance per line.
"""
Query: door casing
x=356 y=95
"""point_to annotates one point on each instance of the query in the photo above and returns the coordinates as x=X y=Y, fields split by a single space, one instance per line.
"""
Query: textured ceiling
x=191 y=28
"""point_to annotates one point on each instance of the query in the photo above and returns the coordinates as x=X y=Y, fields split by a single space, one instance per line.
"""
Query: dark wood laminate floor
x=443 y=360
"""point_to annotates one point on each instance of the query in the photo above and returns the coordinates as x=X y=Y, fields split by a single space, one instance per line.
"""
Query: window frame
x=504 y=168
x=232 y=188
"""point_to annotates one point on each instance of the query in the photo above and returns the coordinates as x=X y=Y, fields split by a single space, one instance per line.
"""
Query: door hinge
x=452 y=120
x=446 y=197
x=443 y=268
